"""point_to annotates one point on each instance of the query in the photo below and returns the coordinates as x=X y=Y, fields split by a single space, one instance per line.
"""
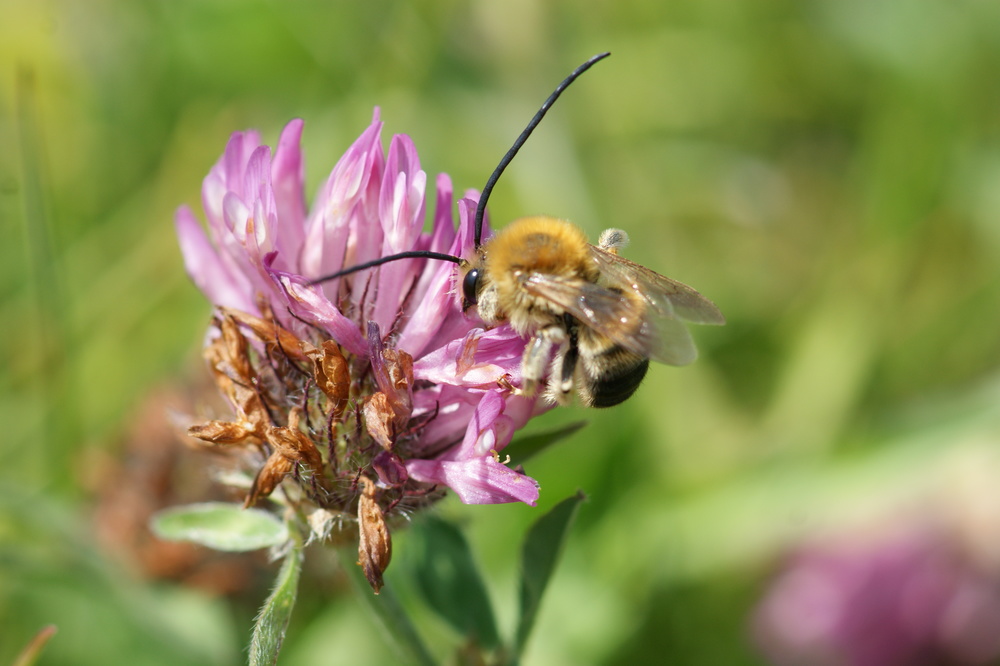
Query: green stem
x=269 y=630
x=390 y=613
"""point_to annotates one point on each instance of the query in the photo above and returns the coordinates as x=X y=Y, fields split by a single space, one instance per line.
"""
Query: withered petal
x=269 y=331
x=222 y=432
x=379 y=420
x=374 y=544
x=390 y=469
x=296 y=447
x=270 y=475
x=399 y=365
x=332 y=376
x=235 y=348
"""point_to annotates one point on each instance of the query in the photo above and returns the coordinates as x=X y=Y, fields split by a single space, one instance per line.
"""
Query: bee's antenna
x=413 y=254
x=495 y=176
x=484 y=197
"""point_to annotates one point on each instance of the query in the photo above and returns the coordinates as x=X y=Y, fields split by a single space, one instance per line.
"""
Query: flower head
x=366 y=394
x=903 y=598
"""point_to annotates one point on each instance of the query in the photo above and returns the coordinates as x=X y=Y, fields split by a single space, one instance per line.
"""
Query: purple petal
x=489 y=428
x=453 y=409
x=239 y=218
x=480 y=437
x=287 y=178
x=259 y=196
x=437 y=303
x=444 y=224
x=464 y=239
x=477 y=360
x=432 y=298
x=400 y=213
x=327 y=234
x=472 y=199
x=401 y=199
x=226 y=176
x=207 y=271
x=477 y=480
x=390 y=469
x=452 y=322
x=314 y=307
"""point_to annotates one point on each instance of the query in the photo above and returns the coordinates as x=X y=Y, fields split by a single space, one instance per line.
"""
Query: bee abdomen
x=611 y=377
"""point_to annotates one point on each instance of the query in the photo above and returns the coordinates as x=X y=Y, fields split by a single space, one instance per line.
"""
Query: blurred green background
x=827 y=171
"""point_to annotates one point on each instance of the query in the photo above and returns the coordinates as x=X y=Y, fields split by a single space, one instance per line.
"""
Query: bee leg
x=536 y=357
x=612 y=240
x=564 y=365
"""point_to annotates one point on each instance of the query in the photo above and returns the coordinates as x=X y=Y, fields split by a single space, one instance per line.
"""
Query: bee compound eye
x=470 y=286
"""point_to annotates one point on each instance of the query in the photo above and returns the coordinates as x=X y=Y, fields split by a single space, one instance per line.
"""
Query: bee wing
x=623 y=318
x=668 y=298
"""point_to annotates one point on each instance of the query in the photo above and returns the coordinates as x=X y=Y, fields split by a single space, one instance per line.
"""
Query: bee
x=593 y=319
x=599 y=317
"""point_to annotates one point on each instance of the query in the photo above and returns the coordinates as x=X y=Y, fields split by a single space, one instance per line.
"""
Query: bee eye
x=470 y=286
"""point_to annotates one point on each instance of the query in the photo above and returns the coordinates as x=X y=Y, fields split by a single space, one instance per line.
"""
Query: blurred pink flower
x=445 y=409
x=903 y=600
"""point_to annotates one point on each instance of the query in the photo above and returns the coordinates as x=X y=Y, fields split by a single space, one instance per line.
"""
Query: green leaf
x=449 y=581
x=539 y=555
x=527 y=446
x=396 y=625
x=269 y=631
x=220 y=526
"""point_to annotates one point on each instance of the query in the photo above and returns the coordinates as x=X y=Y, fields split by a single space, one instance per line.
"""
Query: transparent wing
x=622 y=316
x=668 y=298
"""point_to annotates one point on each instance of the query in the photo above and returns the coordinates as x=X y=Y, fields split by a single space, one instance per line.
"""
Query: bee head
x=470 y=274
x=470 y=289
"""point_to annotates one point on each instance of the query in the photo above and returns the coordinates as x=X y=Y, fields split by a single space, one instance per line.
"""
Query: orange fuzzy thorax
x=541 y=245
x=526 y=246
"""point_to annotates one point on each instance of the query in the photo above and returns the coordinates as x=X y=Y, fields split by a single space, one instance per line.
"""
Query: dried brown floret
x=332 y=375
x=266 y=330
x=375 y=544
x=379 y=419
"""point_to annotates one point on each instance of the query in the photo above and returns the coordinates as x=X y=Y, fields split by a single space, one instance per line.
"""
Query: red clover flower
x=361 y=398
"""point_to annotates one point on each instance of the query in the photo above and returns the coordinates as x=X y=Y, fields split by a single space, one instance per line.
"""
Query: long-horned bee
x=603 y=316
x=593 y=318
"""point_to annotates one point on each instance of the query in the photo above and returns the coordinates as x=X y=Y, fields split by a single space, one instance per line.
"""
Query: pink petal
x=453 y=409
x=477 y=360
x=472 y=197
x=480 y=437
x=326 y=234
x=444 y=224
x=477 y=480
x=259 y=196
x=433 y=298
x=401 y=213
x=239 y=218
x=226 y=176
x=287 y=178
x=207 y=271
x=401 y=199
x=470 y=469
x=453 y=323
x=308 y=303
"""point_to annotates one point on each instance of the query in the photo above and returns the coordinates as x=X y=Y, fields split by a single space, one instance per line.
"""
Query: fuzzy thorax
x=530 y=245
